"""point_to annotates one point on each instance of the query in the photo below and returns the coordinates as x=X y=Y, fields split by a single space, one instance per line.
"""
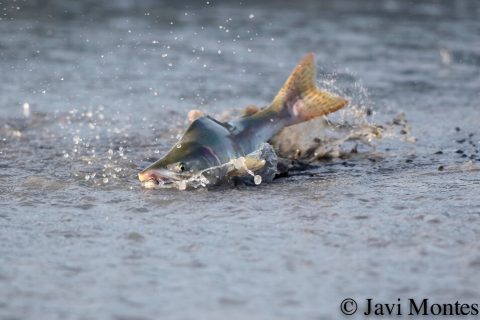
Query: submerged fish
x=208 y=143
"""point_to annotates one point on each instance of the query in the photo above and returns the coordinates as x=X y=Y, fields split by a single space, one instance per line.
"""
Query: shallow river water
x=91 y=93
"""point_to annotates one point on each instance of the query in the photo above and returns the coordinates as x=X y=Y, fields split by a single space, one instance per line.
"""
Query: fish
x=208 y=143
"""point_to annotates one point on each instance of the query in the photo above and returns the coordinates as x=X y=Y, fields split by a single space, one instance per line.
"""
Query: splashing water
x=100 y=151
x=342 y=133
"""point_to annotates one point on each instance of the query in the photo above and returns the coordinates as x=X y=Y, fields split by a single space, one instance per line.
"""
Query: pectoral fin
x=254 y=164
x=245 y=165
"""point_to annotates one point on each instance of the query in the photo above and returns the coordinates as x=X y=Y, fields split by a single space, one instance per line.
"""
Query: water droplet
x=26 y=109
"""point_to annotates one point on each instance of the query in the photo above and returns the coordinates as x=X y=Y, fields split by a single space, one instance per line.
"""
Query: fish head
x=182 y=162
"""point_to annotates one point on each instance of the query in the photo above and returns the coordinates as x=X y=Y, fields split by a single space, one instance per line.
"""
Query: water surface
x=91 y=93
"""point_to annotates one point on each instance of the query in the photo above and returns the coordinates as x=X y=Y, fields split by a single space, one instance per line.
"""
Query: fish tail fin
x=301 y=97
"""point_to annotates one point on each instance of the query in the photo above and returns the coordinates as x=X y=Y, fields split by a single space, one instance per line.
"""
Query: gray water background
x=108 y=87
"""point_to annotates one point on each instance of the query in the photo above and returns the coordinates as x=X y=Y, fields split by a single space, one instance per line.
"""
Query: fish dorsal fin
x=301 y=96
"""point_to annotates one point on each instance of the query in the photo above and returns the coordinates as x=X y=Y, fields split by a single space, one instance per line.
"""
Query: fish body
x=210 y=143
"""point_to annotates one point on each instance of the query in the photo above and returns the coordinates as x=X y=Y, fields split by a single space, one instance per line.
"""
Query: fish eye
x=181 y=167
x=177 y=167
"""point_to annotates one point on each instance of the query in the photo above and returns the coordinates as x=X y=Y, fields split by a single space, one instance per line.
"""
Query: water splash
x=342 y=133
x=100 y=151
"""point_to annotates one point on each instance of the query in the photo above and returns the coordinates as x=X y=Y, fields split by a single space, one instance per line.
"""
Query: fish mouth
x=156 y=177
